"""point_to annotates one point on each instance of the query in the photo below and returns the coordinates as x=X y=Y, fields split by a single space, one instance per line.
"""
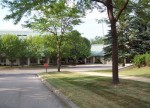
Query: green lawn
x=143 y=72
x=98 y=92
x=103 y=71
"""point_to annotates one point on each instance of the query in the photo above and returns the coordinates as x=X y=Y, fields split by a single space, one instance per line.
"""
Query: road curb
x=56 y=92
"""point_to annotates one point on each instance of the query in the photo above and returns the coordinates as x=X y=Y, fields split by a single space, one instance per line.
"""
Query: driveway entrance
x=25 y=91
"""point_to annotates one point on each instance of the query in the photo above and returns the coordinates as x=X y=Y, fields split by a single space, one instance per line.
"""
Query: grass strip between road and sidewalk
x=97 y=92
x=141 y=72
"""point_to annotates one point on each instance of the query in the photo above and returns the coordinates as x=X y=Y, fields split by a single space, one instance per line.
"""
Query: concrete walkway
x=141 y=79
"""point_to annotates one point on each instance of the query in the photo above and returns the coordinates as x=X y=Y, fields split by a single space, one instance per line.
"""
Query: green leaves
x=20 y=8
x=35 y=46
x=49 y=43
x=11 y=46
x=77 y=46
x=133 y=30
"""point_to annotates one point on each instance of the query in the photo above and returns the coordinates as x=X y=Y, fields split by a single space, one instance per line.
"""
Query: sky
x=89 y=29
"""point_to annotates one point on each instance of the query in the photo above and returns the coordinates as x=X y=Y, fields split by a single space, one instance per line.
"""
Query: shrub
x=147 y=59
x=142 y=60
x=136 y=60
x=139 y=60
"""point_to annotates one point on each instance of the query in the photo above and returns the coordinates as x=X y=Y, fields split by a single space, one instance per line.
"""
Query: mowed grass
x=98 y=92
x=142 y=72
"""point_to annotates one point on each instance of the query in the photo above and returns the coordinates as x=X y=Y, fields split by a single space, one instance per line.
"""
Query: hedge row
x=142 y=60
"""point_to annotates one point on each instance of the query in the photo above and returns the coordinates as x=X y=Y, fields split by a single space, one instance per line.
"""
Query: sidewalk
x=141 y=79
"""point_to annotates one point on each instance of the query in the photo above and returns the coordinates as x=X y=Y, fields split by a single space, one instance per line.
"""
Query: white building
x=19 y=33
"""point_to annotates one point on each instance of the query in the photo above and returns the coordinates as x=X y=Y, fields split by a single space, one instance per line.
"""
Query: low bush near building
x=142 y=60
x=147 y=59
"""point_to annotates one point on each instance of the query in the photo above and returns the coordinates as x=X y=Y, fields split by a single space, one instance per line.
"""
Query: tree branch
x=121 y=10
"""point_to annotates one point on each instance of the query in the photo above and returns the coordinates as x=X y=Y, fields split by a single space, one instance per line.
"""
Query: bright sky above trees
x=89 y=29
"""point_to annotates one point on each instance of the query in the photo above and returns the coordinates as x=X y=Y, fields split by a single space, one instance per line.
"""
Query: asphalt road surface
x=25 y=90
x=20 y=88
x=77 y=68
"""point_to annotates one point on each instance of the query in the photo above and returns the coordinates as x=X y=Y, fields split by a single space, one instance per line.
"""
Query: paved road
x=77 y=68
x=25 y=91
x=51 y=69
x=20 y=88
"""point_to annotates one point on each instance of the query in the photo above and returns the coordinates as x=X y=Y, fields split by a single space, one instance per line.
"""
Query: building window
x=33 y=60
x=14 y=61
x=3 y=60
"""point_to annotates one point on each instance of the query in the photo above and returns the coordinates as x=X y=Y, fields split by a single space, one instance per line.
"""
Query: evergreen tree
x=133 y=33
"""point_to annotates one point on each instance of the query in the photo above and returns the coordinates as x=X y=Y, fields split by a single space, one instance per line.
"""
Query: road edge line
x=57 y=93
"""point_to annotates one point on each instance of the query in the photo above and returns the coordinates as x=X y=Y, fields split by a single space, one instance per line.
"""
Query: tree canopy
x=78 y=46
x=133 y=29
x=11 y=47
x=35 y=47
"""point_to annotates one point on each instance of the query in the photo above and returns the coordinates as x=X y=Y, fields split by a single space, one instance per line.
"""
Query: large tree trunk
x=114 y=42
x=114 y=53
x=58 y=57
x=113 y=20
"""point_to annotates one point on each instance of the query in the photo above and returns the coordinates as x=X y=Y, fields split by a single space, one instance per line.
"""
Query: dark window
x=3 y=60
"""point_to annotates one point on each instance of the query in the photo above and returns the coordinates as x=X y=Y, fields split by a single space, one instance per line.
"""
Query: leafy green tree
x=24 y=53
x=56 y=20
x=11 y=47
x=86 y=48
x=34 y=46
x=50 y=48
x=77 y=46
